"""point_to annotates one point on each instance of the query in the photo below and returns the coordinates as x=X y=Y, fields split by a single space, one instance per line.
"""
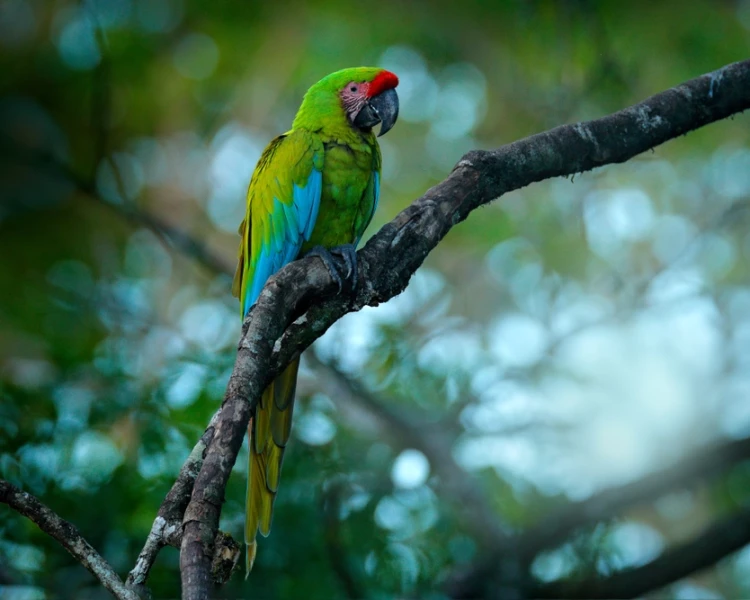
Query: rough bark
x=167 y=527
x=271 y=338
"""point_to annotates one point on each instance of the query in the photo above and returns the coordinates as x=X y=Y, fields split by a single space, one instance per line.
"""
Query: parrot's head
x=364 y=96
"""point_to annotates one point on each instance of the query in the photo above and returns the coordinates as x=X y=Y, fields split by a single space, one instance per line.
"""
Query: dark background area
x=571 y=337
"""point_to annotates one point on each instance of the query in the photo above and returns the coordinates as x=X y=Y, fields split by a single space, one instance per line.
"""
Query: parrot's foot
x=348 y=254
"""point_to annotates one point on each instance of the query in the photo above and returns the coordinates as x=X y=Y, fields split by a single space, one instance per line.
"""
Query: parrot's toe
x=348 y=254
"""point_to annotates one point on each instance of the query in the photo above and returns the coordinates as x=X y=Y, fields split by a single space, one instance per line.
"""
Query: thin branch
x=560 y=524
x=172 y=509
x=330 y=505
x=173 y=236
x=456 y=483
x=68 y=536
x=715 y=543
x=182 y=241
x=167 y=527
x=271 y=339
x=704 y=464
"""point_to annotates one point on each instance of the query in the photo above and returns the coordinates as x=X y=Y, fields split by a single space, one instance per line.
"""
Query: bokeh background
x=573 y=336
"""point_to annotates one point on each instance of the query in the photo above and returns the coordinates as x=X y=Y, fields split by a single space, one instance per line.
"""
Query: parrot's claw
x=348 y=254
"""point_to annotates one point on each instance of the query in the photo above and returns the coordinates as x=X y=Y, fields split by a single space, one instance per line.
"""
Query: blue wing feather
x=290 y=224
x=307 y=202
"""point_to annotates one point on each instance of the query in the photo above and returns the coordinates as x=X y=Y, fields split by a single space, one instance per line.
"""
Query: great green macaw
x=314 y=190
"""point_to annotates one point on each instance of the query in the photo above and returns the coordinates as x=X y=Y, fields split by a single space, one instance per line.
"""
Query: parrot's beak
x=382 y=109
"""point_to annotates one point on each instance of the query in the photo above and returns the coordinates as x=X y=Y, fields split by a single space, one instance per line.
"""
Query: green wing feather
x=287 y=189
x=282 y=206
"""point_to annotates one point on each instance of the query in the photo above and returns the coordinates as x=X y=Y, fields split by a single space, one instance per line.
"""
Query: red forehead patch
x=385 y=80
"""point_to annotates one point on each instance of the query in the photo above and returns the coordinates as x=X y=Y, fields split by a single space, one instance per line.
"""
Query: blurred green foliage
x=570 y=336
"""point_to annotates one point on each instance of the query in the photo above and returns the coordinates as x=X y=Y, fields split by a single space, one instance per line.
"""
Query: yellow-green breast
x=348 y=197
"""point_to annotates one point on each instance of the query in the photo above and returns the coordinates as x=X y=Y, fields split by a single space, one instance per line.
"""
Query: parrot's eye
x=353 y=88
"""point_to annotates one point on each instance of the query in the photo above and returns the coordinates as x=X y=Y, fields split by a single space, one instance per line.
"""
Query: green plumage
x=348 y=199
x=316 y=185
x=351 y=161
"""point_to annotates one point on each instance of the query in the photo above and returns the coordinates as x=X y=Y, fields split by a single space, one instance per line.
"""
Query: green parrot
x=314 y=191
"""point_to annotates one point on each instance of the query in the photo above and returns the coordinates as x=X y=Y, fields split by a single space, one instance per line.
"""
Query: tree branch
x=172 y=236
x=716 y=542
x=555 y=528
x=330 y=503
x=167 y=527
x=171 y=511
x=68 y=536
x=707 y=463
x=391 y=257
x=456 y=483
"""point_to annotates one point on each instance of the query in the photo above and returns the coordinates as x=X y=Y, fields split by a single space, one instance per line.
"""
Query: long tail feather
x=268 y=434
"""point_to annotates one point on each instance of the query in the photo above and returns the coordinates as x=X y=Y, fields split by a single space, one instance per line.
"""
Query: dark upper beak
x=382 y=109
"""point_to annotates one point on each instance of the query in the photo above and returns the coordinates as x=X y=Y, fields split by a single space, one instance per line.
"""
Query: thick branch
x=718 y=541
x=68 y=536
x=249 y=378
x=398 y=249
x=167 y=527
x=392 y=256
